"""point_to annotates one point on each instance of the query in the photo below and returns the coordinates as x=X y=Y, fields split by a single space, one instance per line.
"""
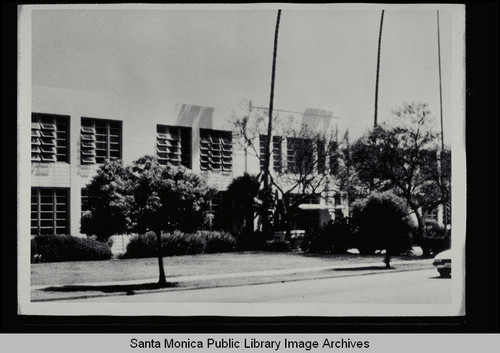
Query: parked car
x=442 y=262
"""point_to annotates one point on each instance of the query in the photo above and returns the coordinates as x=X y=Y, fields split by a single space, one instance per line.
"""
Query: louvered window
x=216 y=150
x=173 y=145
x=276 y=152
x=84 y=200
x=49 y=211
x=262 y=150
x=321 y=153
x=334 y=159
x=300 y=155
x=49 y=138
x=100 y=140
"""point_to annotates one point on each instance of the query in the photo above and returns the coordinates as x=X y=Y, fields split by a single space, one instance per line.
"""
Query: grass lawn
x=137 y=269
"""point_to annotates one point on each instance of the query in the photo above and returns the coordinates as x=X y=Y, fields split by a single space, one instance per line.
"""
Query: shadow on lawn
x=116 y=288
x=366 y=268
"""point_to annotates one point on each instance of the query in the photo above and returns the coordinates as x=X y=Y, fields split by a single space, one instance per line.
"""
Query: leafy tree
x=243 y=193
x=382 y=223
x=110 y=203
x=145 y=196
x=404 y=158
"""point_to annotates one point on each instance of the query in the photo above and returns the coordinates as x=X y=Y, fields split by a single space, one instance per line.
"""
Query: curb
x=178 y=279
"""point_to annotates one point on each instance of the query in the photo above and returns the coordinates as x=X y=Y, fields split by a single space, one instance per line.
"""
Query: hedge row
x=57 y=248
x=178 y=243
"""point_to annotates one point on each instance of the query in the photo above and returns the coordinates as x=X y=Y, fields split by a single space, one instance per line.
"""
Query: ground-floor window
x=49 y=211
x=306 y=220
x=220 y=211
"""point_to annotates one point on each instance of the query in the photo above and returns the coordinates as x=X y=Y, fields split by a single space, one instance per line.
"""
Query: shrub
x=435 y=241
x=141 y=245
x=216 y=242
x=277 y=246
x=382 y=224
x=334 y=237
x=251 y=241
x=57 y=248
x=177 y=243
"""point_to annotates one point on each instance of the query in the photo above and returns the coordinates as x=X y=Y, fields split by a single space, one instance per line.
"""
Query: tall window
x=300 y=155
x=216 y=150
x=276 y=152
x=337 y=198
x=49 y=211
x=173 y=145
x=321 y=156
x=49 y=138
x=84 y=200
x=220 y=209
x=334 y=159
x=100 y=140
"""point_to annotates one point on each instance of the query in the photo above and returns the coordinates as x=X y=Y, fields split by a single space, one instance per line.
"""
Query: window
x=309 y=199
x=216 y=150
x=337 y=199
x=262 y=150
x=84 y=200
x=321 y=151
x=334 y=160
x=432 y=215
x=49 y=211
x=300 y=155
x=100 y=140
x=220 y=209
x=49 y=138
x=276 y=152
x=173 y=145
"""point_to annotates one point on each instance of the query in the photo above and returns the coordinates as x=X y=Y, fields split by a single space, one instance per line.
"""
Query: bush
x=435 y=241
x=58 y=248
x=382 y=224
x=277 y=246
x=216 y=242
x=251 y=241
x=177 y=243
x=333 y=237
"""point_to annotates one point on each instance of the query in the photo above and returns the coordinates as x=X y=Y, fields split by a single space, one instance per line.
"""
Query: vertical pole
x=378 y=68
x=440 y=84
x=348 y=167
x=445 y=203
x=266 y=227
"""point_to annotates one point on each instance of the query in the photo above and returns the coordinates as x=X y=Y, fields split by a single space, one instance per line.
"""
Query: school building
x=74 y=132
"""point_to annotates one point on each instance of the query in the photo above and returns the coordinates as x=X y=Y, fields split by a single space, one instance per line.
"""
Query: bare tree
x=304 y=161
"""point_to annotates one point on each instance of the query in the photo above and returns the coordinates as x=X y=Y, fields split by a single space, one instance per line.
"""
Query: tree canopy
x=144 y=196
x=406 y=159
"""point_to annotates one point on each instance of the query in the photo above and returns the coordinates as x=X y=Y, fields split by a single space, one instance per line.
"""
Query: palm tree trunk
x=266 y=224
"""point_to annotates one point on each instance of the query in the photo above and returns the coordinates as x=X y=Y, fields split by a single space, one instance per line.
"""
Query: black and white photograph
x=251 y=160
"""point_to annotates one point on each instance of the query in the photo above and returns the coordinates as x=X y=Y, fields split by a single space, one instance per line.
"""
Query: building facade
x=74 y=132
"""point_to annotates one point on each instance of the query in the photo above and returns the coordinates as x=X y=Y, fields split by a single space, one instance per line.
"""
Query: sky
x=326 y=58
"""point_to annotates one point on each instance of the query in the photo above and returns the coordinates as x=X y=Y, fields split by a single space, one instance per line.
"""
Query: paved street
x=412 y=287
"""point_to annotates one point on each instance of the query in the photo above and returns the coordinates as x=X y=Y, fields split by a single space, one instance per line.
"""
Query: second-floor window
x=216 y=150
x=49 y=138
x=100 y=140
x=300 y=155
x=173 y=145
x=276 y=152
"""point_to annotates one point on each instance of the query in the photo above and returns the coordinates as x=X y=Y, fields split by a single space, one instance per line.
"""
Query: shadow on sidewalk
x=115 y=288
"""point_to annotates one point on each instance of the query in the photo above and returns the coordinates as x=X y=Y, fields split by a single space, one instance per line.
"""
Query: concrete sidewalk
x=86 y=290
